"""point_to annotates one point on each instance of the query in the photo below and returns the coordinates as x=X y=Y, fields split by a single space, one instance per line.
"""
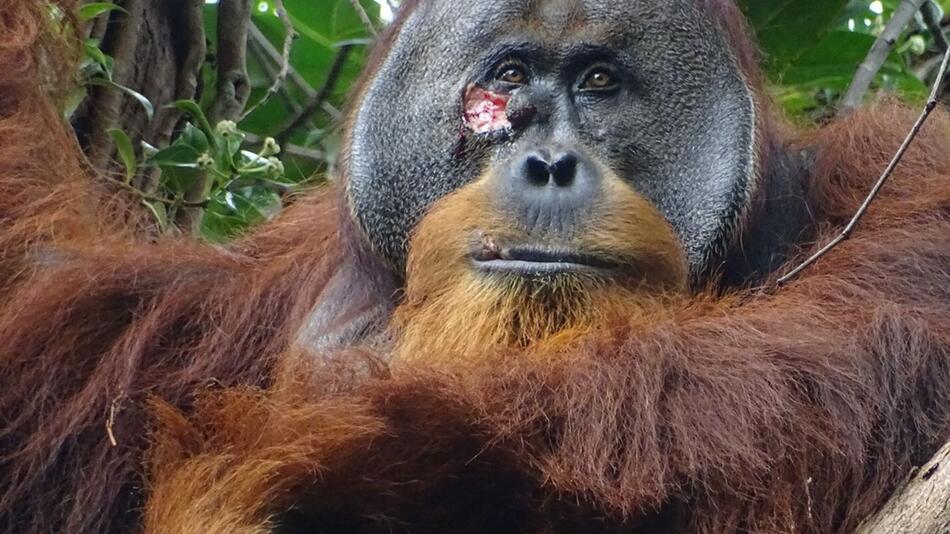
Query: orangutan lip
x=537 y=260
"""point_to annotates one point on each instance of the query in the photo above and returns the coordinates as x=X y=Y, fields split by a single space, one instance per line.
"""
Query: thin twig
x=869 y=68
x=286 y=96
x=265 y=45
x=364 y=16
x=318 y=99
x=929 y=66
x=928 y=109
x=289 y=36
x=291 y=150
x=258 y=37
x=110 y=420
x=153 y=198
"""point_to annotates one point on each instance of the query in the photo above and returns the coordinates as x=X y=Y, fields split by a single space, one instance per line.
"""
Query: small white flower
x=271 y=148
x=227 y=128
x=275 y=167
x=205 y=161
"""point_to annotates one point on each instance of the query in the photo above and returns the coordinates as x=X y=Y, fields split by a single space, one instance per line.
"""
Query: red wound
x=485 y=111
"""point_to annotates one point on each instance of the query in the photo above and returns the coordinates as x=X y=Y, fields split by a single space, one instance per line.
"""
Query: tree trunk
x=159 y=48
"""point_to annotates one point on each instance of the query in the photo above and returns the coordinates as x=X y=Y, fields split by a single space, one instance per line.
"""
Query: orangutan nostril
x=537 y=171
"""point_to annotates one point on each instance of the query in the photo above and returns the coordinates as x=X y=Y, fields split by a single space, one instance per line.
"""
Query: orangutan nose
x=551 y=189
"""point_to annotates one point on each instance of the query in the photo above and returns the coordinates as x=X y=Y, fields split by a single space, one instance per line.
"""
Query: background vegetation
x=213 y=115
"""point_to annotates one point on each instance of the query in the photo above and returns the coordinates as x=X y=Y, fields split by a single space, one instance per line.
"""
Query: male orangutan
x=537 y=299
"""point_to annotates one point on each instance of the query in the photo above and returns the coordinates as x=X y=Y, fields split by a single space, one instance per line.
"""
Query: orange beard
x=453 y=311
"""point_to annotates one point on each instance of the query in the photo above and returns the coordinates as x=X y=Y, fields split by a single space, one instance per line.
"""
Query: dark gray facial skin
x=679 y=127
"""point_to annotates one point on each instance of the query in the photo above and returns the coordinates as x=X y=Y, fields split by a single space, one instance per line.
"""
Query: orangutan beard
x=479 y=317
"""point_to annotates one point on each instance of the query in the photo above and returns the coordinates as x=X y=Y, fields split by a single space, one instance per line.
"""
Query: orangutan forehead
x=556 y=18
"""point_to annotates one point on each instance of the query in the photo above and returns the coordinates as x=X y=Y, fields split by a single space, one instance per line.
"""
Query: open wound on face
x=485 y=111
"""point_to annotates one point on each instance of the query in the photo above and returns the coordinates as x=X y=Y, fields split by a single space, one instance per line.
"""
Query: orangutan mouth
x=530 y=260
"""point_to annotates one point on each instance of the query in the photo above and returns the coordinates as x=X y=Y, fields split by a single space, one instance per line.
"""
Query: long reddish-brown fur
x=796 y=410
x=95 y=321
x=764 y=410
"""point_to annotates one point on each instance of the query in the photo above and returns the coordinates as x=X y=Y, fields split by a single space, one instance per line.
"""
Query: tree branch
x=868 y=69
x=233 y=89
x=931 y=14
x=234 y=18
x=319 y=98
x=265 y=45
x=920 y=505
x=364 y=16
x=107 y=100
x=289 y=35
x=928 y=109
x=162 y=127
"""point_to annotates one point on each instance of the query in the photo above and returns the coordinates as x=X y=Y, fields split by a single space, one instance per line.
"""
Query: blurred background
x=213 y=116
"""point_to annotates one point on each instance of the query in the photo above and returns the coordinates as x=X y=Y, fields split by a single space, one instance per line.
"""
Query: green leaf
x=835 y=58
x=92 y=10
x=126 y=152
x=830 y=66
x=193 y=110
x=176 y=155
x=139 y=97
x=73 y=100
x=784 y=27
x=218 y=227
x=265 y=201
x=95 y=54
x=179 y=178
x=337 y=21
x=320 y=33
x=234 y=143
x=230 y=213
x=148 y=151
x=194 y=138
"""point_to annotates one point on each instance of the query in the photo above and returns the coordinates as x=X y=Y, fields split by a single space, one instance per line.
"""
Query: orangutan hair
x=731 y=409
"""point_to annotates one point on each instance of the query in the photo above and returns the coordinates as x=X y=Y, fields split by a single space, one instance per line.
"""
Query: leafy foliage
x=812 y=49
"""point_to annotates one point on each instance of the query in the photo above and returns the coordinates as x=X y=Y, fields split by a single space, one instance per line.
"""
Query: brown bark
x=159 y=49
x=105 y=102
x=234 y=18
x=233 y=90
x=187 y=24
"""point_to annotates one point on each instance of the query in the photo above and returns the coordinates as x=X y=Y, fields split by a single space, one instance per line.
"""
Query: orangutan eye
x=512 y=73
x=599 y=79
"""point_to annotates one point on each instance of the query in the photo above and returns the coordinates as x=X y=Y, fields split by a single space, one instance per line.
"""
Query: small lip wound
x=533 y=259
